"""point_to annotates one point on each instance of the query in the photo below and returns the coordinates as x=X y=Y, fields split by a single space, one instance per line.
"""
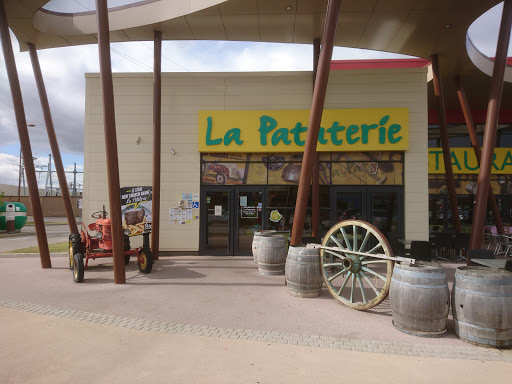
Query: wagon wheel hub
x=352 y=263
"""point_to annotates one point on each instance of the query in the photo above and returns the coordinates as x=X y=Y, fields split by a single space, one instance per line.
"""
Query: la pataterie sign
x=369 y=129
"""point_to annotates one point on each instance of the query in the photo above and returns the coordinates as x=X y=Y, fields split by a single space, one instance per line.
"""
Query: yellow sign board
x=464 y=161
x=369 y=129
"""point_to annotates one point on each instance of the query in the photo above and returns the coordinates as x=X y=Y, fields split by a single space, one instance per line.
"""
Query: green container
x=13 y=211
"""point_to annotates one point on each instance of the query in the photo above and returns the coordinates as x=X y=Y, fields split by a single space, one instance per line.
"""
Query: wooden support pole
x=317 y=106
x=491 y=123
x=315 y=183
x=114 y=189
x=157 y=143
x=491 y=201
x=21 y=122
x=52 y=137
x=450 y=183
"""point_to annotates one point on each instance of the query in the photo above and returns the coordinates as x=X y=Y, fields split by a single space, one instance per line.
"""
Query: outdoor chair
x=461 y=242
x=504 y=244
x=494 y=242
x=421 y=250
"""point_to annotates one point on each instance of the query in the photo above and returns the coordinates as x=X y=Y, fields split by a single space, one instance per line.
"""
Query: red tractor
x=100 y=245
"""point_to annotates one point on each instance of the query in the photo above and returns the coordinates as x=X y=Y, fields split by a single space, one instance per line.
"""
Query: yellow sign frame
x=354 y=130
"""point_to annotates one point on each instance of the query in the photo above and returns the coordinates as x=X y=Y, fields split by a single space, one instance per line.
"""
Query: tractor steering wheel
x=97 y=215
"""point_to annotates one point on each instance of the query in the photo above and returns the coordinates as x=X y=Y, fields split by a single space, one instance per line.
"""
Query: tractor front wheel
x=126 y=259
x=145 y=260
x=78 y=268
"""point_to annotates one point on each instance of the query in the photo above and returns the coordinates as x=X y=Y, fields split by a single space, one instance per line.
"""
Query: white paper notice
x=218 y=210
x=243 y=201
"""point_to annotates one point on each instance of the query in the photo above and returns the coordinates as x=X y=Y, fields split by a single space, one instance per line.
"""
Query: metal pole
x=315 y=183
x=50 y=172
x=491 y=123
x=157 y=143
x=491 y=201
x=74 y=181
x=52 y=137
x=19 y=179
x=445 y=143
x=317 y=106
x=26 y=149
x=114 y=189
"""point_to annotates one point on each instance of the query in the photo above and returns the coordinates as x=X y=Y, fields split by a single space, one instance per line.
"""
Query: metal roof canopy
x=412 y=27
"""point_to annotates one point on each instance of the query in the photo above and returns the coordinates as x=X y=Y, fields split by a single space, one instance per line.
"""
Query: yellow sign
x=464 y=161
x=369 y=129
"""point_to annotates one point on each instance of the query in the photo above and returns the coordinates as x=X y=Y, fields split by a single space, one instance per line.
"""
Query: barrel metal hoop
x=477 y=293
x=501 y=331
x=419 y=285
x=399 y=271
x=483 y=281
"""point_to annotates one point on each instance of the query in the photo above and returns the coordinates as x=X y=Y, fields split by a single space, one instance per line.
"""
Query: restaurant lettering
x=285 y=131
x=464 y=161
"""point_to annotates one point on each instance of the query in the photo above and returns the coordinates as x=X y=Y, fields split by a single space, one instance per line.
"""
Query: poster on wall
x=136 y=208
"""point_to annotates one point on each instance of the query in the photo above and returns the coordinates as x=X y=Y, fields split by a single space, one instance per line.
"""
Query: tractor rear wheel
x=145 y=260
x=75 y=246
x=126 y=259
x=78 y=268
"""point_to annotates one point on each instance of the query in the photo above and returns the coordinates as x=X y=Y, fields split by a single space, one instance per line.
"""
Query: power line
x=134 y=61
x=165 y=57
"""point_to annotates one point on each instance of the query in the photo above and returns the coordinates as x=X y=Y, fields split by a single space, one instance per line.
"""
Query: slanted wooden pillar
x=491 y=201
x=315 y=183
x=445 y=143
x=21 y=122
x=317 y=106
x=109 y=122
x=157 y=143
x=491 y=122
x=48 y=121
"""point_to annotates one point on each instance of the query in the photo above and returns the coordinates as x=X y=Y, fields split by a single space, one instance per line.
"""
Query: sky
x=64 y=75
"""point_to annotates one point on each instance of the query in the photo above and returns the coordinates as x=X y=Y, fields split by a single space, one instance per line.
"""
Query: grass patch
x=57 y=247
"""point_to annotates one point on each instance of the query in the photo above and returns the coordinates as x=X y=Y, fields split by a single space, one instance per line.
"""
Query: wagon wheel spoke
x=346 y=238
x=338 y=274
x=374 y=273
x=365 y=278
x=370 y=283
x=365 y=240
x=335 y=254
x=361 y=287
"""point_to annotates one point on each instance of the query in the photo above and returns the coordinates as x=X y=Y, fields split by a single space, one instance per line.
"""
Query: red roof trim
x=455 y=116
x=378 y=63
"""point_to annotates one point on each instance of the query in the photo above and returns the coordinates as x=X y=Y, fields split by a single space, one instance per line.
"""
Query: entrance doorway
x=233 y=214
x=381 y=206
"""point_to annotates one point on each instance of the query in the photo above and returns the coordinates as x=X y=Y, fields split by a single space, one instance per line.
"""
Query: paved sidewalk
x=46 y=349
x=207 y=319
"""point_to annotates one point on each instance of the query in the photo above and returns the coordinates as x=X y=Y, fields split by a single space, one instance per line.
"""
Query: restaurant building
x=231 y=151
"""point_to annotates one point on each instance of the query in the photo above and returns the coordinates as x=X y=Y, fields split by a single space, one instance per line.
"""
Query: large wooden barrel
x=303 y=271
x=271 y=255
x=482 y=306
x=420 y=299
x=256 y=240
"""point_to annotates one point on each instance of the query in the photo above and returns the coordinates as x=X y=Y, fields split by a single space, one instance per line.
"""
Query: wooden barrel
x=303 y=271
x=482 y=306
x=420 y=299
x=256 y=240
x=271 y=255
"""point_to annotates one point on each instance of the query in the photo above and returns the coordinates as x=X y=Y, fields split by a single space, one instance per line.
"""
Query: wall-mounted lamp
x=173 y=152
x=138 y=140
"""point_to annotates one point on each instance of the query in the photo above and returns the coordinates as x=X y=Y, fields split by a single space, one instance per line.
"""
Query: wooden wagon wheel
x=352 y=274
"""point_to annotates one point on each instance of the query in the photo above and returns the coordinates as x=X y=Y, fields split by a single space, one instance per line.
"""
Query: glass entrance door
x=217 y=238
x=250 y=217
x=229 y=217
